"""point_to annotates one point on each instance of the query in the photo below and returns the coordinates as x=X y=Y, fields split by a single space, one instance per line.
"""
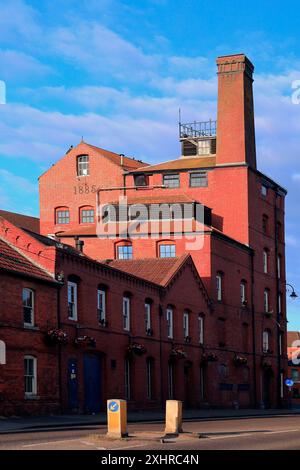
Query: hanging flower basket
x=178 y=353
x=136 y=348
x=85 y=341
x=56 y=336
x=209 y=357
x=240 y=360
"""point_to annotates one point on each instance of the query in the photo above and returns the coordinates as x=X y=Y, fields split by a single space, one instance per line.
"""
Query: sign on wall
x=2 y=352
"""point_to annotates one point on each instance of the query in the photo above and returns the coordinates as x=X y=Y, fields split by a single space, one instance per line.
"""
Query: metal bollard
x=117 y=418
x=173 y=417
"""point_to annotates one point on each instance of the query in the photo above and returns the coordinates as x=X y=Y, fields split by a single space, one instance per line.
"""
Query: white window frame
x=266 y=341
x=31 y=291
x=201 y=329
x=219 y=281
x=243 y=291
x=266 y=301
x=186 y=328
x=170 y=332
x=279 y=266
x=72 y=286
x=33 y=377
x=264 y=190
x=147 y=316
x=266 y=261
x=126 y=313
x=83 y=165
x=101 y=304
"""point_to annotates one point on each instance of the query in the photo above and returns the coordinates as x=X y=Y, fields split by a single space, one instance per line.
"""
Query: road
x=266 y=433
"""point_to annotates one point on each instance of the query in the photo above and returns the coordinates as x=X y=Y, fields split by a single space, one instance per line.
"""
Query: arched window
x=169 y=315
x=62 y=215
x=265 y=224
x=266 y=260
x=124 y=250
x=267 y=301
x=186 y=324
x=101 y=304
x=86 y=215
x=243 y=291
x=279 y=265
x=28 y=306
x=148 y=327
x=266 y=340
x=219 y=286
x=126 y=311
x=201 y=328
x=73 y=297
x=30 y=375
x=166 y=249
x=223 y=371
x=83 y=166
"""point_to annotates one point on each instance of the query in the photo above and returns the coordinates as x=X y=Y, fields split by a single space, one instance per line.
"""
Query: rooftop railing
x=198 y=129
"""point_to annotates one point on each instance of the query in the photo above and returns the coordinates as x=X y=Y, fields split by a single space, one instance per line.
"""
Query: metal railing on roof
x=198 y=129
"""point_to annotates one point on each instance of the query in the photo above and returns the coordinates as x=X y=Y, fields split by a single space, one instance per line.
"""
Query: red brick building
x=215 y=294
x=242 y=256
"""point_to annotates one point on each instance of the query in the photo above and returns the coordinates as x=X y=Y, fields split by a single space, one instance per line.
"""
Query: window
x=266 y=260
x=124 y=252
x=185 y=324
x=126 y=313
x=87 y=216
x=30 y=376
x=265 y=224
x=170 y=322
x=72 y=300
x=167 y=251
x=171 y=380
x=148 y=317
x=149 y=368
x=62 y=216
x=140 y=180
x=264 y=190
x=243 y=289
x=204 y=147
x=295 y=375
x=280 y=303
x=198 y=179
x=279 y=266
x=219 y=286
x=101 y=304
x=28 y=307
x=171 y=181
x=201 y=329
x=266 y=300
x=266 y=341
x=127 y=379
x=83 y=165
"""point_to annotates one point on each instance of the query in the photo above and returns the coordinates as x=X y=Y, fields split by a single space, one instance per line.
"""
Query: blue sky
x=116 y=72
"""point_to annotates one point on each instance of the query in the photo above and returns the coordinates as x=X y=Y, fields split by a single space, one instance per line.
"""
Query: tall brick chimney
x=235 y=128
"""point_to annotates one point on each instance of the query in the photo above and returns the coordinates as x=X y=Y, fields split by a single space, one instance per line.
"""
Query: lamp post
x=289 y=288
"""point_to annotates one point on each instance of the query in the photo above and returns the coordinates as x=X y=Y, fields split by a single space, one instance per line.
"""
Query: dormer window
x=83 y=168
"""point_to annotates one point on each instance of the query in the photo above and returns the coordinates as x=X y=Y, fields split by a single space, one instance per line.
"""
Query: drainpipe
x=278 y=316
x=60 y=385
x=160 y=315
x=253 y=330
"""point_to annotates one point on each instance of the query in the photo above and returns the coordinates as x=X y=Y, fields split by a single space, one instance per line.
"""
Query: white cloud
x=18 y=67
x=17 y=182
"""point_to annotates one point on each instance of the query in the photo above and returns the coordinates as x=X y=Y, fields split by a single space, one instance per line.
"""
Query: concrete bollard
x=117 y=418
x=173 y=417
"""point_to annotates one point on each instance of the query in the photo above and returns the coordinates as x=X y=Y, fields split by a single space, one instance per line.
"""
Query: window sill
x=31 y=327
x=31 y=397
x=72 y=319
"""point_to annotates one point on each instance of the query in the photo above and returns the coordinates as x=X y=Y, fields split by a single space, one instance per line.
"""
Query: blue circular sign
x=113 y=406
x=289 y=382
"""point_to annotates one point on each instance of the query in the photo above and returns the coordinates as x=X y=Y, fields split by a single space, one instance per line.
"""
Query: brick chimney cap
x=235 y=58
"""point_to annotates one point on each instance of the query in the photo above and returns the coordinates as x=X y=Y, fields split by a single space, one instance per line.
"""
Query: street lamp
x=293 y=294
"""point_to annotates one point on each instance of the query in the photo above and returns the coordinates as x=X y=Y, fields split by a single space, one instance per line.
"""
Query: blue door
x=73 y=384
x=92 y=383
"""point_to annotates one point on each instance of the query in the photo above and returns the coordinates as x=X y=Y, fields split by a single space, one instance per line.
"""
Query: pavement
x=64 y=421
